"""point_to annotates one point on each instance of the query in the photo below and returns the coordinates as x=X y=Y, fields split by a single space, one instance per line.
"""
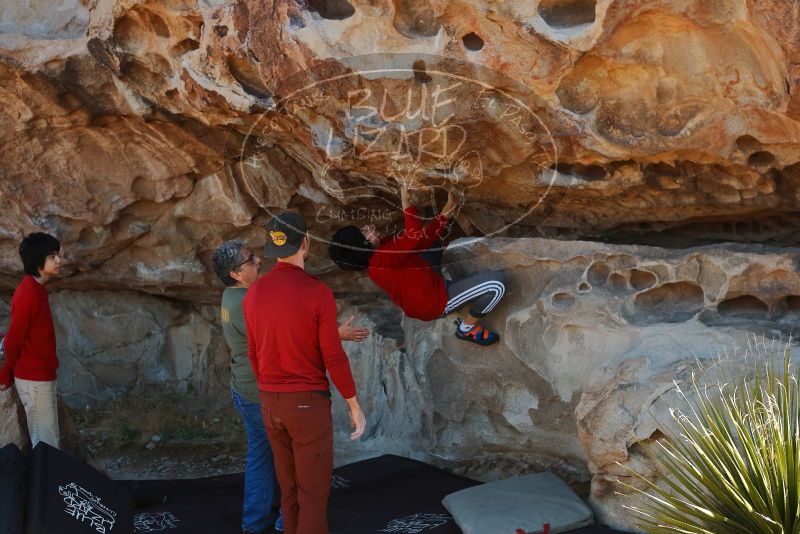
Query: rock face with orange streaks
x=144 y=133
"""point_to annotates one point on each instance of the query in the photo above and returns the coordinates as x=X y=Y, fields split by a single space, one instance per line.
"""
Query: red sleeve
x=424 y=238
x=252 y=353
x=411 y=220
x=330 y=344
x=23 y=306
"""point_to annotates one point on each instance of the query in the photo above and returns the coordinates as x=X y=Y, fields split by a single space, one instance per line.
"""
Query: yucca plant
x=733 y=465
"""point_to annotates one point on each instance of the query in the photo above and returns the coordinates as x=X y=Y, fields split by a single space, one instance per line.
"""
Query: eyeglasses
x=250 y=259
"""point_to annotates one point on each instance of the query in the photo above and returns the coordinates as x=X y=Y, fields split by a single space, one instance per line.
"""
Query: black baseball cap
x=285 y=233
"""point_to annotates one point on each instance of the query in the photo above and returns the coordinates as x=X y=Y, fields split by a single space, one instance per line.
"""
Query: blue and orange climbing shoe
x=477 y=334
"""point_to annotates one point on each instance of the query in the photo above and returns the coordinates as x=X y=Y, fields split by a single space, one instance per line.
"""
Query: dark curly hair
x=350 y=250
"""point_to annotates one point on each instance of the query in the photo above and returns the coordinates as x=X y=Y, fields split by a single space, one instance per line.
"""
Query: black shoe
x=477 y=334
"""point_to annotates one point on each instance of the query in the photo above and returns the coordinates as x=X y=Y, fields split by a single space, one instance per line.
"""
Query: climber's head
x=351 y=247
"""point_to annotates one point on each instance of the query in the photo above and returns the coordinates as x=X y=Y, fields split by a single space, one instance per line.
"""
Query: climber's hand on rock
x=405 y=195
x=450 y=208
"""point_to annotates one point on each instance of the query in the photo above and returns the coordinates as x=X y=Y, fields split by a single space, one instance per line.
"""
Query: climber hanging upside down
x=399 y=265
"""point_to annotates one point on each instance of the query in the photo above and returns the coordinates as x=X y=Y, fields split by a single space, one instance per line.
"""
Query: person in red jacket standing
x=398 y=265
x=292 y=341
x=30 y=343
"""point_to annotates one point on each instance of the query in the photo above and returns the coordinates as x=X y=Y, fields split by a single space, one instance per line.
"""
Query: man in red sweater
x=293 y=339
x=30 y=344
x=398 y=266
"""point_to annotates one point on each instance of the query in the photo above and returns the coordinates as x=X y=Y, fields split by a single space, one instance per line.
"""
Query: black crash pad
x=199 y=506
x=391 y=494
x=384 y=495
x=12 y=489
x=67 y=496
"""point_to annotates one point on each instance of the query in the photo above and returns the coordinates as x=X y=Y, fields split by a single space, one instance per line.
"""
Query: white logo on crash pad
x=339 y=482
x=83 y=505
x=154 y=522
x=415 y=524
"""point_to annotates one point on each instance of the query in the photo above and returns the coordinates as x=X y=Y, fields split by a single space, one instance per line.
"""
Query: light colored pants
x=39 y=400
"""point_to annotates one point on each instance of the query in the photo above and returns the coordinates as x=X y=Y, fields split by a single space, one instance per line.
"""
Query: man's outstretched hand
x=357 y=419
x=348 y=332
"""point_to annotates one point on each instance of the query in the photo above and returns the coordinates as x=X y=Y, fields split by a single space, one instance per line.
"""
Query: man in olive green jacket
x=237 y=266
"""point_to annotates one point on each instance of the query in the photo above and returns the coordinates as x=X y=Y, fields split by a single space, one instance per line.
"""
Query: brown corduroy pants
x=300 y=430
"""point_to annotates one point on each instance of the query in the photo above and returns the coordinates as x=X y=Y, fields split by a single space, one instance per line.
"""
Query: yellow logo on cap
x=279 y=238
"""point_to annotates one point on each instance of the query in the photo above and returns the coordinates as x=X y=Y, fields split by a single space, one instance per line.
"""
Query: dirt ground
x=172 y=461
x=163 y=436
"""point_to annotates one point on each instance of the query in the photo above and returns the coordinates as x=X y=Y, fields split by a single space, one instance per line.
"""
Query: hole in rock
x=563 y=168
x=743 y=228
x=589 y=173
x=332 y=9
x=748 y=144
x=642 y=279
x=136 y=27
x=248 y=77
x=659 y=170
x=788 y=305
x=567 y=13
x=791 y=303
x=221 y=30
x=584 y=287
x=472 y=41
x=675 y=302
x=129 y=33
x=187 y=45
x=141 y=77
x=761 y=159
x=744 y=306
x=657 y=435
x=562 y=301
x=617 y=284
x=598 y=274
x=645 y=447
x=161 y=28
